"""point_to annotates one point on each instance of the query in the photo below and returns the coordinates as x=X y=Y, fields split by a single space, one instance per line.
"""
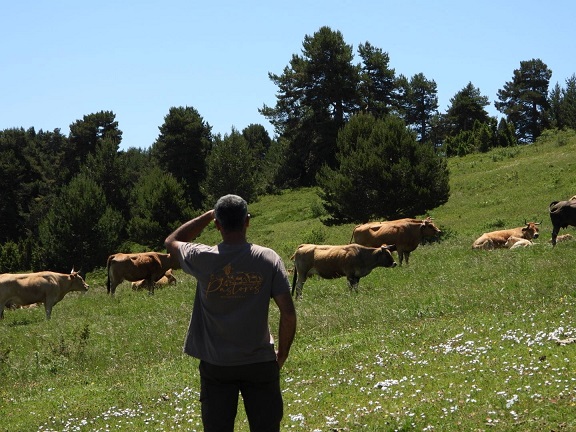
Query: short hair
x=231 y=212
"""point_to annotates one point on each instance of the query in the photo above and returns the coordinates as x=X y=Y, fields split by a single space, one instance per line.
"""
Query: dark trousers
x=259 y=384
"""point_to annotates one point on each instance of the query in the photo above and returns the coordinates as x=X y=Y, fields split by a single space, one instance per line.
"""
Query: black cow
x=562 y=214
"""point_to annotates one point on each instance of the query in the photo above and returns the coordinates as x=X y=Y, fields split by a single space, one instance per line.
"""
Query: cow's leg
x=555 y=232
x=299 y=287
x=150 y=283
x=48 y=308
x=300 y=284
x=112 y=290
x=300 y=277
x=407 y=256
x=353 y=283
x=113 y=284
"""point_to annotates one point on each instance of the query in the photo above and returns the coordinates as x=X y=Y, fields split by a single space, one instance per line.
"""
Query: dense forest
x=366 y=136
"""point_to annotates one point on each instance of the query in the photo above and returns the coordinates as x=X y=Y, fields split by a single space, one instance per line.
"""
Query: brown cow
x=497 y=239
x=353 y=261
x=167 y=279
x=148 y=266
x=43 y=287
x=406 y=234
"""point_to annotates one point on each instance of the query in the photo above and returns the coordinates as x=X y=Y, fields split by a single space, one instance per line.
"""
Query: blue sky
x=61 y=60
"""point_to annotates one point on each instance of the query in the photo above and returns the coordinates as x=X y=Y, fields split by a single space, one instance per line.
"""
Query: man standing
x=229 y=330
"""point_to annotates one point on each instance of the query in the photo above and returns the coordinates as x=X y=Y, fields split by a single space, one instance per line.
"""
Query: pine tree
x=158 y=206
x=317 y=94
x=231 y=169
x=524 y=100
x=181 y=149
x=383 y=172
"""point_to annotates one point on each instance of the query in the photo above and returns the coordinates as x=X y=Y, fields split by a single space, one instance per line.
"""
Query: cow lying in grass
x=517 y=242
x=563 y=238
x=167 y=279
x=497 y=239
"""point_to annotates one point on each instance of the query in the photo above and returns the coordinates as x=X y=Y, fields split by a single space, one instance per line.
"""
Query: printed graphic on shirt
x=233 y=284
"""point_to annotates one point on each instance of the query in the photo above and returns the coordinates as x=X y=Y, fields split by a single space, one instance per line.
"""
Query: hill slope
x=458 y=340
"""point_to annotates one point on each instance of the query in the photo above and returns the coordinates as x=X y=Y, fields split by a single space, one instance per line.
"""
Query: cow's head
x=531 y=230
x=428 y=228
x=386 y=259
x=77 y=282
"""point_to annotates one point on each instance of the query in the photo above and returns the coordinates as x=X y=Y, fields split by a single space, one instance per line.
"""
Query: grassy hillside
x=458 y=340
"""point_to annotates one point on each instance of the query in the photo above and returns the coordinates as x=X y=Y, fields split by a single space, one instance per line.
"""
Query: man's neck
x=234 y=238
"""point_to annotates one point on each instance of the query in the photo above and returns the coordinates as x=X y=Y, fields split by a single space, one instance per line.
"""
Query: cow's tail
x=108 y=273
x=294 y=278
x=352 y=237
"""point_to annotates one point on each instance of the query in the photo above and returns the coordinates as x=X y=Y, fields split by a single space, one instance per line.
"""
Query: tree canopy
x=318 y=92
x=466 y=107
x=524 y=100
x=383 y=172
x=182 y=147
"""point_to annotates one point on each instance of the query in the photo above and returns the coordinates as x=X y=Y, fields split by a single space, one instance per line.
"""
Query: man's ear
x=218 y=226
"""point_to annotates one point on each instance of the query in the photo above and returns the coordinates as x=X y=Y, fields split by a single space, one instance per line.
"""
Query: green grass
x=458 y=340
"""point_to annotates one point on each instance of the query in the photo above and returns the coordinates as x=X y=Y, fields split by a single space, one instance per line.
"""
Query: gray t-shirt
x=229 y=324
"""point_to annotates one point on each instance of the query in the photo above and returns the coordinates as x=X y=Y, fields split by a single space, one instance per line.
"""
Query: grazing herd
x=144 y=270
x=371 y=246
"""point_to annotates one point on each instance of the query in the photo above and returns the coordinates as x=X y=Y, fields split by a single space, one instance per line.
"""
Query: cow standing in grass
x=147 y=266
x=329 y=262
x=406 y=234
x=562 y=214
x=42 y=287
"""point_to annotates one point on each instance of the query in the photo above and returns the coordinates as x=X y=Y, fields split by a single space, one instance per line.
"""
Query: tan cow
x=167 y=279
x=43 y=287
x=329 y=262
x=497 y=239
x=517 y=242
x=148 y=266
x=406 y=234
